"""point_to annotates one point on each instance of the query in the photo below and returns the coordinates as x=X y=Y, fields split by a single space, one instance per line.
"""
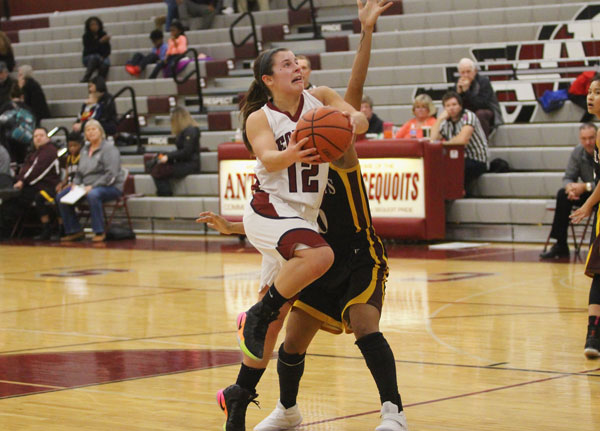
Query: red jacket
x=41 y=169
x=581 y=85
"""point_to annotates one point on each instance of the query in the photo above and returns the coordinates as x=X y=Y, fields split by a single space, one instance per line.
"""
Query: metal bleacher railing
x=194 y=73
x=132 y=115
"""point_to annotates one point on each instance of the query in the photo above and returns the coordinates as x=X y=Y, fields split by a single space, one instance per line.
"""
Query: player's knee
x=323 y=259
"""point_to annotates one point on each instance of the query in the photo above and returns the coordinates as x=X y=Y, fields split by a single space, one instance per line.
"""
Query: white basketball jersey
x=301 y=185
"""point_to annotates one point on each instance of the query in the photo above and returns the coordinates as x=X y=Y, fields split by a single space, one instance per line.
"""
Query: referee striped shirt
x=477 y=148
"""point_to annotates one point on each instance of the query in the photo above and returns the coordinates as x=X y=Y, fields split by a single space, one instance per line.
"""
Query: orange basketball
x=328 y=131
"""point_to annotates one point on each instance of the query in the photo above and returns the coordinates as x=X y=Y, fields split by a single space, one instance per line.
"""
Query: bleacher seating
x=525 y=46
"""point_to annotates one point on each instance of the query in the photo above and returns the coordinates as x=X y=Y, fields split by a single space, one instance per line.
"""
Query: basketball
x=328 y=131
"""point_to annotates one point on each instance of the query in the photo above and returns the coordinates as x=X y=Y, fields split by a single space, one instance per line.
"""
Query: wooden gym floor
x=140 y=336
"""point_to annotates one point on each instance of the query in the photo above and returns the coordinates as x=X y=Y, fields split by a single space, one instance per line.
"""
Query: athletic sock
x=290 y=368
x=380 y=360
x=249 y=377
x=273 y=298
x=593 y=320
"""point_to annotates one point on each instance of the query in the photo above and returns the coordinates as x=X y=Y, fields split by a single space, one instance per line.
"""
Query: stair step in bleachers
x=518 y=184
x=192 y=185
x=533 y=158
x=509 y=211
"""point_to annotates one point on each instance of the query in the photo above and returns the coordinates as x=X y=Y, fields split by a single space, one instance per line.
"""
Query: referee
x=456 y=125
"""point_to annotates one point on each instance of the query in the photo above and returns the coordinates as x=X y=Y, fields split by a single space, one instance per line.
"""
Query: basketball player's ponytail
x=258 y=93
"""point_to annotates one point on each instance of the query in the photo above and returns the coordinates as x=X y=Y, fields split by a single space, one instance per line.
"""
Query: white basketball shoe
x=391 y=420
x=281 y=419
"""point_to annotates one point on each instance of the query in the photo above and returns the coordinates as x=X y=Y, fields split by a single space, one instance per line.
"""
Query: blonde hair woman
x=424 y=117
x=185 y=160
x=99 y=173
x=33 y=93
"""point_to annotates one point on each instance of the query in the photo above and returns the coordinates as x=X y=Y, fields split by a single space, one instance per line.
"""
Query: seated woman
x=33 y=93
x=424 y=117
x=100 y=105
x=100 y=173
x=96 y=49
x=183 y=161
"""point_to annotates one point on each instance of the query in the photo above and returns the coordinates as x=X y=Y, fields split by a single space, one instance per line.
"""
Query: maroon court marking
x=83 y=272
x=46 y=372
x=452 y=397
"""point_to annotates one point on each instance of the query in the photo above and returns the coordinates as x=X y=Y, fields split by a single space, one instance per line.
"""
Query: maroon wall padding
x=315 y=61
x=396 y=8
x=216 y=68
x=297 y=17
x=454 y=171
x=188 y=87
x=13 y=36
x=245 y=51
x=435 y=205
x=219 y=121
x=158 y=104
x=272 y=33
x=20 y=7
x=22 y=24
x=233 y=150
x=337 y=43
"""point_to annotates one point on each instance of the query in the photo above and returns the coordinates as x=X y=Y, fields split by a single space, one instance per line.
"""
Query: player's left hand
x=371 y=10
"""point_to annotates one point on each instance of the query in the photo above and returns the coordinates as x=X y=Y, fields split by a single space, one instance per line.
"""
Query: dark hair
x=452 y=95
x=89 y=21
x=258 y=93
x=178 y=25
x=74 y=137
x=588 y=126
x=156 y=35
x=99 y=82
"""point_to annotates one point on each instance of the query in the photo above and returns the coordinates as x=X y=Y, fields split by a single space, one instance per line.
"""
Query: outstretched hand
x=214 y=221
x=371 y=10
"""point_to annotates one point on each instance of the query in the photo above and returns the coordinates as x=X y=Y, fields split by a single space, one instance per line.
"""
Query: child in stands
x=139 y=61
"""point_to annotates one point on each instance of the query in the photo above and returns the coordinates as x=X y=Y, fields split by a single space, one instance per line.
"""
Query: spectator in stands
x=197 y=8
x=242 y=5
x=100 y=105
x=34 y=96
x=139 y=61
x=71 y=162
x=17 y=124
x=306 y=69
x=6 y=83
x=6 y=52
x=37 y=180
x=578 y=91
x=424 y=117
x=457 y=125
x=574 y=192
x=172 y=13
x=183 y=161
x=96 y=49
x=100 y=172
x=478 y=95
x=177 y=46
x=375 y=123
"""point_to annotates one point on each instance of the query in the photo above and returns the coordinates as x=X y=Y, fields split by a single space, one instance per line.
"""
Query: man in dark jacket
x=578 y=183
x=478 y=96
x=37 y=180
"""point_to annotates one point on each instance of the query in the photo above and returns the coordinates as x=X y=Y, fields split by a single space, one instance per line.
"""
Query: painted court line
x=452 y=397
